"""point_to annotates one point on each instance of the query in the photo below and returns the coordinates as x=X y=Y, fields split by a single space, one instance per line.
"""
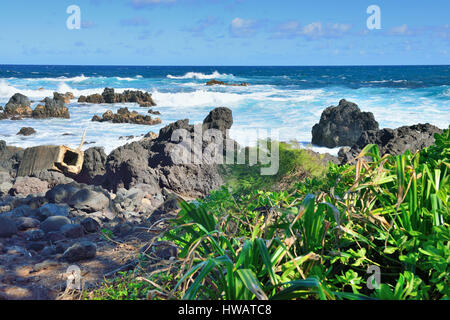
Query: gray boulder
x=8 y=227
x=51 y=209
x=80 y=251
x=342 y=125
x=93 y=166
x=25 y=186
x=89 y=201
x=90 y=225
x=72 y=230
x=24 y=223
x=54 y=223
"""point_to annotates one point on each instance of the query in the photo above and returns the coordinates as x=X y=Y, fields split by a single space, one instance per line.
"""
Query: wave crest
x=199 y=75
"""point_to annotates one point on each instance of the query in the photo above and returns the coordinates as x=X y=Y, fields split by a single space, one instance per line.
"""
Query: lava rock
x=25 y=186
x=80 y=251
x=8 y=227
x=18 y=105
x=24 y=223
x=393 y=141
x=54 y=223
x=72 y=230
x=26 y=131
x=90 y=225
x=342 y=125
x=50 y=210
x=93 y=166
x=89 y=201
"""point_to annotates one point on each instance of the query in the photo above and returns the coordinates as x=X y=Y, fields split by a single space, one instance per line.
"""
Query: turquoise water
x=284 y=102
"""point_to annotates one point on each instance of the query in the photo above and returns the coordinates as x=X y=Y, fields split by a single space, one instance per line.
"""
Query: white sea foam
x=199 y=75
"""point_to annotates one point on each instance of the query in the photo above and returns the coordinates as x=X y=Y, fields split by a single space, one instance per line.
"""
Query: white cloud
x=146 y=3
x=400 y=30
x=241 y=28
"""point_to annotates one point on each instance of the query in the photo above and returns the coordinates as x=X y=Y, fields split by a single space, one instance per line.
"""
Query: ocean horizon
x=287 y=100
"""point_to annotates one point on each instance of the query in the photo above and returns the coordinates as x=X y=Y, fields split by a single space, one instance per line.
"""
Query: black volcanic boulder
x=154 y=161
x=53 y=108
x=342 y=125
x=144 y=99
x=93 y=166
x=393 y=141
x=18 y=105
x=10 y=158
x=124 y=115
x=220 y=118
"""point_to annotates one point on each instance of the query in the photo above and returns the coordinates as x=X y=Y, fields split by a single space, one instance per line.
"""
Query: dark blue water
x=285 y=100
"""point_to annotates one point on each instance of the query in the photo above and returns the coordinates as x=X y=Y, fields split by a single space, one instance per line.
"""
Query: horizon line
x=163 y=65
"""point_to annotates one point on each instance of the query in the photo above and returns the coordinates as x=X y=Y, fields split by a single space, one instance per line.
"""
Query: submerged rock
x=342 y=125
x=215 y=82
x=26 y=131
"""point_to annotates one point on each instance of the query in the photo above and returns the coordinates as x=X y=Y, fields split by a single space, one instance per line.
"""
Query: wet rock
x=95 y=98
x=26 y=131
x=53 y=108
x=18 y=105
x=80 y=251
x=8 y=227
x=82 y=99
x=90 y=225
x=25 y=186
x=342 y=125
x=72 y=231
x=393 y=141
x=123 y=115
x=215 y=82
x=54 y=223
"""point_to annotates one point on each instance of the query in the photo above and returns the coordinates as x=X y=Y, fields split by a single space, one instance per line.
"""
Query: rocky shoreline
x=51 y=220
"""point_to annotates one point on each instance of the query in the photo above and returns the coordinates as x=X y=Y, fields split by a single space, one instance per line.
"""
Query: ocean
x=284 y=102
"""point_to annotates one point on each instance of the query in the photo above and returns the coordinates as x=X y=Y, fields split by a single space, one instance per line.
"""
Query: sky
x=225 y=32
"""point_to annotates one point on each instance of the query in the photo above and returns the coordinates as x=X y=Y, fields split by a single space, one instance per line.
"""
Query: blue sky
x=225 y=32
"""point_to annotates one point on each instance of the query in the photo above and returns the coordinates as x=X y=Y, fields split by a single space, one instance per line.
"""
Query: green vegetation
x=317 y=237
